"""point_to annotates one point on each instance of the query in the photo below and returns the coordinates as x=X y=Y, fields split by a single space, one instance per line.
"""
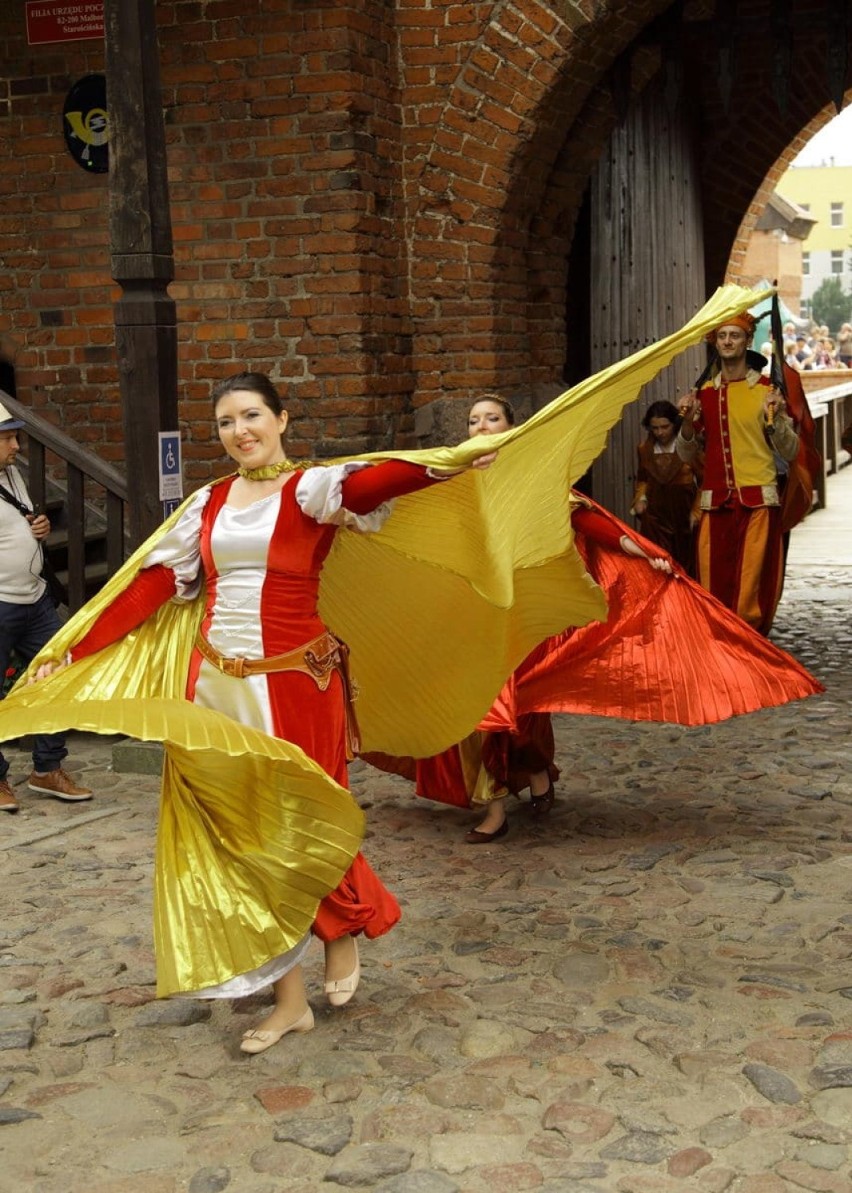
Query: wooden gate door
x=647 y=267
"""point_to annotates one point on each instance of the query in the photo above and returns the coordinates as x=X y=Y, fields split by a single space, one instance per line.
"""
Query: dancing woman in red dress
x=488 y=765
x=623 y=666
x=263 y=656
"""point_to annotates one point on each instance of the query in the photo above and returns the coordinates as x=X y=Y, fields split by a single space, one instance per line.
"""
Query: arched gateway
x=390 y=206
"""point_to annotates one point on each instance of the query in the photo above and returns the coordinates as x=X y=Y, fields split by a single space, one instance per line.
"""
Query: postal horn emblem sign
x=86 y=124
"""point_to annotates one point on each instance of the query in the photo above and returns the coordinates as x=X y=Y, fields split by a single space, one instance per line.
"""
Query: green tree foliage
x=830 y=304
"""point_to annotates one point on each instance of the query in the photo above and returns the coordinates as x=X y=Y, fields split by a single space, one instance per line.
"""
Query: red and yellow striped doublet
x=740 y=553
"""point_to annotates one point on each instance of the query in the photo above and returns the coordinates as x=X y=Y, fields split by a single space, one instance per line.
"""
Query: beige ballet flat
x=258 y=1041
x=340 y=991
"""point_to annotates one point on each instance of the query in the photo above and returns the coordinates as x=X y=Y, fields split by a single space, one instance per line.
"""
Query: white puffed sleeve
x=320 y=496
x=180 y=548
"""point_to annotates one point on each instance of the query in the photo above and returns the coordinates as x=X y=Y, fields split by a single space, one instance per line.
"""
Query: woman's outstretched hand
x=485 y=461
x=660 y=563
x=46 y=669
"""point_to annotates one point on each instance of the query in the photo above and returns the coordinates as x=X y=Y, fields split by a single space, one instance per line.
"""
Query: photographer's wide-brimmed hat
x=8 y=422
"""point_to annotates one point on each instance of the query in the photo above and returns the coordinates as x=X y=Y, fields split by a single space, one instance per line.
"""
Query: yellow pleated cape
x=438 y=609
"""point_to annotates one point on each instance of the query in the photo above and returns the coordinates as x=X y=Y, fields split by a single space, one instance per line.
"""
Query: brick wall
x=770 y=257
x=374 y=202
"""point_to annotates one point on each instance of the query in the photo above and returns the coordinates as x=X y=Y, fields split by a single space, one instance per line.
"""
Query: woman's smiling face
x=249 y=430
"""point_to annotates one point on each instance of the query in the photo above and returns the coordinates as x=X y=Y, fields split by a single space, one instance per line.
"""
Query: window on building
x=837 y=215
x=837 y=261
x=806 y=264
x=806 y=308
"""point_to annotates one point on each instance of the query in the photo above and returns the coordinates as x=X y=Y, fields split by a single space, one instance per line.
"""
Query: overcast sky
x=834 y=140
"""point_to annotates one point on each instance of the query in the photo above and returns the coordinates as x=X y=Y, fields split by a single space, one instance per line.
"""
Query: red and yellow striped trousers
x=741 y=560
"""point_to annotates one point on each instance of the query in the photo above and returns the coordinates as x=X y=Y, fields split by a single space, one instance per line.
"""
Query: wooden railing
x=831 y=407
x=81 y=466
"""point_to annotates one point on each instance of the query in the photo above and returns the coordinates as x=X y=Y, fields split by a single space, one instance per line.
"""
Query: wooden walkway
x=824 y=539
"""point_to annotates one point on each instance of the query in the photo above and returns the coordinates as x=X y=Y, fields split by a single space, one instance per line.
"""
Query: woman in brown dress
x=665 y=486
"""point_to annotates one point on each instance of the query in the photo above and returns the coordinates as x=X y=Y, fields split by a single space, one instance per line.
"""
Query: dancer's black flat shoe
x=540 y=805
x=476 y=837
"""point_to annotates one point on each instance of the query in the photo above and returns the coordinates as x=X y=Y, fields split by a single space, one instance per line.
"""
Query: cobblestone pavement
x=650 y=993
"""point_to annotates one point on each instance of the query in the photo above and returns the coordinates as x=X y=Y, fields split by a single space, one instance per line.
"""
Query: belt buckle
x=232 y=667
x=319 y=666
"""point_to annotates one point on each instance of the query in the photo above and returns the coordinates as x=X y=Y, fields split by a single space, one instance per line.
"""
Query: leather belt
x=317 y=658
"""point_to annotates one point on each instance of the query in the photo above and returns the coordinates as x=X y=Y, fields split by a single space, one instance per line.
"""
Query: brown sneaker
x=60 y=784
x=8 y=803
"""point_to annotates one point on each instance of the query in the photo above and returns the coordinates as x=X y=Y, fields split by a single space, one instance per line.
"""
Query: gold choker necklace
x=268 y=472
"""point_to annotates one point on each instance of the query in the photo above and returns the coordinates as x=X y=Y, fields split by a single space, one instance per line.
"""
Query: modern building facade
x=825 y=193
x=776 y=249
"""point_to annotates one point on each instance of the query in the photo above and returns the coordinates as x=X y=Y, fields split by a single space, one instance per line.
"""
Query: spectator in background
x=28 y=617
x=790 y=357
x=803 y=353
x=844 y=346
x=824 y=354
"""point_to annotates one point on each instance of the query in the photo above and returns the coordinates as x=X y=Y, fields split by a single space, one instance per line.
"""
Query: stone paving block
x=422 y=1181
x=13 y=1040
x=833 y=1106
x=365 y=1166
x=325 y=1133
x=775 y=1086
x=823 y=1155
x=210 y=1180
x=638 y=1147
x=455 y=1152
x=146 y=1155
x=137 y=757
x=16 y=1114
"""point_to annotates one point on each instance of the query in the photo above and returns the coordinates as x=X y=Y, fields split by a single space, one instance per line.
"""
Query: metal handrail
x=81 y=465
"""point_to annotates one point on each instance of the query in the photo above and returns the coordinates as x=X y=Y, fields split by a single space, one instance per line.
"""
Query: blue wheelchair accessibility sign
x=171 y=471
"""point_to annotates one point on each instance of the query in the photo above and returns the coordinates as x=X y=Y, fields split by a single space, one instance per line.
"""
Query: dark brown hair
x=662 y=410
x=255 y=383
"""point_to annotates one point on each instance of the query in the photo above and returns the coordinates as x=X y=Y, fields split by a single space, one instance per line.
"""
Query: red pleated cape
x=668 y=651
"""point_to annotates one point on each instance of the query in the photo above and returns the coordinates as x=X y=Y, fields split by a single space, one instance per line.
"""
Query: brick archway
x=491 y=198
x=501 y=185
x=776 y=170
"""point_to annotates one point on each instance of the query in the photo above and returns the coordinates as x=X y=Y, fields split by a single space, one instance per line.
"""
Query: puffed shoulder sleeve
x=319 y=493
x=687 y=449
x=180 y=548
